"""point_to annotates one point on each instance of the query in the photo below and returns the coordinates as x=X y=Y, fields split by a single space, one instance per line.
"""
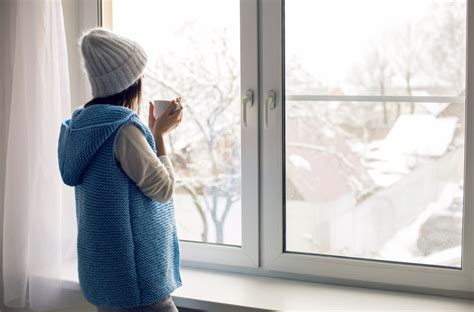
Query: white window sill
x=214 y=290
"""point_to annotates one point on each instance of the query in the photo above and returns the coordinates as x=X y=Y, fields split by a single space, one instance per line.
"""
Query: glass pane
x=375 y=179
x=195 y=53
x=374 y=47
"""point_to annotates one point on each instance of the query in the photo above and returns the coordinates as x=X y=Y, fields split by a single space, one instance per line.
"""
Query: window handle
x=248 y=98
x=270 y=103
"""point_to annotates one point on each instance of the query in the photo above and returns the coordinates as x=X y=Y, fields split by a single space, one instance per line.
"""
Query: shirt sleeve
x=152 y=174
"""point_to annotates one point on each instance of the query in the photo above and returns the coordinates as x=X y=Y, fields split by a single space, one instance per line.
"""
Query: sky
x=328 y=36
x=153 y=22
x=340 y=29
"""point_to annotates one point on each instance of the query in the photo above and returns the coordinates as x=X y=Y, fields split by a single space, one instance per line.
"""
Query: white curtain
x=39 y=218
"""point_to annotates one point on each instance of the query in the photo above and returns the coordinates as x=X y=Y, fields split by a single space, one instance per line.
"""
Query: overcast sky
x=329 y=36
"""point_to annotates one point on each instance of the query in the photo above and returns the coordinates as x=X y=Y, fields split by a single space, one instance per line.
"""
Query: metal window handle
x=270 y=103
x=248 y=98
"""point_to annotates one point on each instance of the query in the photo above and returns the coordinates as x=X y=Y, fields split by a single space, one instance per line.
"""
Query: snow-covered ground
x=403 y=245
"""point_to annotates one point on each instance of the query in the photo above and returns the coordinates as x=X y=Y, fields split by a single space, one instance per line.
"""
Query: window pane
x=373 y=47
x=195 y=53
x=375 y=178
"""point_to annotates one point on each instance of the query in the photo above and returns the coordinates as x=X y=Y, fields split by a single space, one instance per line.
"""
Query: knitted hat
x=112 y=62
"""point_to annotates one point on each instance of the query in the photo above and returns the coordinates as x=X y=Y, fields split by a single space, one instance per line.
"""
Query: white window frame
x=246 y=255
x=345 y=270
x=262 y=177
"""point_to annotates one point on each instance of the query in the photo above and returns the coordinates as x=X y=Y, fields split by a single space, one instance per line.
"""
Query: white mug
x=159 y=106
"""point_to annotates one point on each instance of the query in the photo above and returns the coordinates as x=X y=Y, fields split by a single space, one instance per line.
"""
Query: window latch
x=248 y=98
x=270 y=103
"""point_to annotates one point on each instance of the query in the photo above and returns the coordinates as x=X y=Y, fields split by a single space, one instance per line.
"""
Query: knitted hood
x=82 y=136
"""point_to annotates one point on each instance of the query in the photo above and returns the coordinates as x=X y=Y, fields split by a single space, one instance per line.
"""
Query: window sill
x=223 y=291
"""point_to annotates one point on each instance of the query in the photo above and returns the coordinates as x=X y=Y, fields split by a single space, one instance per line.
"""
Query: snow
x=422 y=135
x=412 y=137
x=448 y=257
x=299 y=162
x=403 y=245
x=384 y=179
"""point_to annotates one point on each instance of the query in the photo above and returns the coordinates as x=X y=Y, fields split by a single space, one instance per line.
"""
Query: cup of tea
x=159 y=106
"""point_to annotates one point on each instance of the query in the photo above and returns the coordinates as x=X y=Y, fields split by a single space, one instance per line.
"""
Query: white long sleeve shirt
x=153 y=175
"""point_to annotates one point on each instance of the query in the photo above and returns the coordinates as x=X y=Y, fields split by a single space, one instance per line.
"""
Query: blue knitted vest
x=127 y=244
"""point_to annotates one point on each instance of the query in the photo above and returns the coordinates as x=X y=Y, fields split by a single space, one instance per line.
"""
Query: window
x=206 y=147
x=375 y=129
x=363 y=173
x=323 y=139
x=197 y=54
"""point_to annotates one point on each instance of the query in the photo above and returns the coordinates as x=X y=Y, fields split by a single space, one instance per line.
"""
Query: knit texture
x=127 y=244
x=113 y=63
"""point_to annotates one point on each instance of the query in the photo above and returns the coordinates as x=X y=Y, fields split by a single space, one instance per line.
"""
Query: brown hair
x=130 y=97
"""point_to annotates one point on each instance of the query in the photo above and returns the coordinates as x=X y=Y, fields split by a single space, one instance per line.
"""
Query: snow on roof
x=421 y=135
x=299 y=162
x=410 y=137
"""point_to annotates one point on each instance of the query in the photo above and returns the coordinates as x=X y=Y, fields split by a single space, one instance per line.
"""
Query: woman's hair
x=130 y=97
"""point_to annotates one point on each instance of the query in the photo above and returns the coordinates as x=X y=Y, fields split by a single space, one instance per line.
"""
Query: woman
x=128 y=252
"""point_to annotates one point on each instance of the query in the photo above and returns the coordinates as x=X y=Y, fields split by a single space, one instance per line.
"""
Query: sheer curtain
x=39 y=218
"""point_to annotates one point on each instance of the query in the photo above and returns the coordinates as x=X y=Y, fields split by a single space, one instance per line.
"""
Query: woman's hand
x=167 y=120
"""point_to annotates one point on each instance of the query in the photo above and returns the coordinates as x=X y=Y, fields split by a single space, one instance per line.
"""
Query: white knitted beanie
x=113 y=63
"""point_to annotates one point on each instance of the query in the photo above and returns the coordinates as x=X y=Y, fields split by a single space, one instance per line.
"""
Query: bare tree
x=375 y=73
x=407 y=47
x=207 y=148
x=447 y=46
